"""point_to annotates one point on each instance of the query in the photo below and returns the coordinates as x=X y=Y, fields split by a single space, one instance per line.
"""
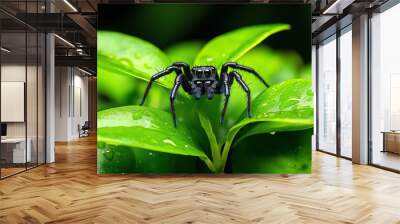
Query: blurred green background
x=181 y=30
x=165 y=25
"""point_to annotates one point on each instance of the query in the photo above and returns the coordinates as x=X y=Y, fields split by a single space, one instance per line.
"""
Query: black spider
x=204 y=80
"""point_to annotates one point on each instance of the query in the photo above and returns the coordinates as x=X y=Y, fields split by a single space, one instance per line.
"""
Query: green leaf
x=290 y=103
x=273 y=66
x=129 y=55
x=185 y=51
x=232 y=45
x=227 y=47
x=115 y=159
x=148 y=129
x=272 y=127
x=109 y=85
x=116 y=90
x=123 y=159
x=281 y=152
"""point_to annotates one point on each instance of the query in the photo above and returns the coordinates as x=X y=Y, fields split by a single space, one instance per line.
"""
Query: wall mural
x=187 y=88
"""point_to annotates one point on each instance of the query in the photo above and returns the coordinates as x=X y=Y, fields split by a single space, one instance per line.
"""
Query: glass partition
x=32 y=90
x=32 y=96
x=385 y=89
x=22 y=95
x=327 y=95
x=15 y=151
x=346 y=92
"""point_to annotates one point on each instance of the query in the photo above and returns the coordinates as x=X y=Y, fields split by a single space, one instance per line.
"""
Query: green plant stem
x=215 y=149
x=227 y=146
x=209 y=164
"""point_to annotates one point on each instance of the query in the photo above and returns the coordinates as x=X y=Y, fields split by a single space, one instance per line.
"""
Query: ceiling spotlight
x=84 y=71
x=65 y=41
x=5 y=50
x=70 y=5
x=337 y=7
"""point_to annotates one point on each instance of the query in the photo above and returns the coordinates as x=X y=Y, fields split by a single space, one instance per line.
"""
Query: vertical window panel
x=346 y=94
x=385 y=89
x=327 y=96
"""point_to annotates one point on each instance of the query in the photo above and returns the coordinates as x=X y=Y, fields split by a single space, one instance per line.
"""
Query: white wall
x=62 y=81
x=71 y=102
x=12 y=73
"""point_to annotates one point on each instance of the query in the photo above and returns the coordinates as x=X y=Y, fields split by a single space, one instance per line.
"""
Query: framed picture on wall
x=184 y=88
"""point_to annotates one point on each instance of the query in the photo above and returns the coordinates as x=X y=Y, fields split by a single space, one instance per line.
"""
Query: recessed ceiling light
x=65 y=41
x=5 y=50
x=70 y=5
x=84 y=71
x=337 y=7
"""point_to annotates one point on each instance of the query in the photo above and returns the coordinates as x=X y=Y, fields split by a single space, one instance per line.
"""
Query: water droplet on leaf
x=137 y=55
x=146 y=65
x=126 y=62
x=169 y=141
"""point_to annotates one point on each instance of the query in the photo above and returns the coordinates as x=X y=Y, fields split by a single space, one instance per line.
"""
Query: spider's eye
x=208 y=82
x=198 y=82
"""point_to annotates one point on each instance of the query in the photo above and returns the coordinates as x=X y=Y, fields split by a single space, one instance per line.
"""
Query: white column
x=360 y=90
x=50 y=92
x=314 y=88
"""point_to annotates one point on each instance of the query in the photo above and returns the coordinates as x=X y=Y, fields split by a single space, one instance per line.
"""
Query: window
x=346 y=92
x=327 y=95
x=385 y=89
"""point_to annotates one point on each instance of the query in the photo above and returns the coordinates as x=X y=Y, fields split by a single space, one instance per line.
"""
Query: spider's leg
x=187 y=75
x=174 y=91
x=185 y=67
x=227 y=92
x=167 y=71
x=244 y=86
x=244 y=68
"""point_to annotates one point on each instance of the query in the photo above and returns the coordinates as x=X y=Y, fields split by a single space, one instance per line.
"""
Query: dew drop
x=169 y=141
x=146 y=65
x=108 y=153
x=136 y=116
x=126 y=62
x=137 y=55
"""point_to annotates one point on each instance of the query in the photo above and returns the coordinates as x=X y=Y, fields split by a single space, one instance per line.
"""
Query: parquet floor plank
x=70 y=191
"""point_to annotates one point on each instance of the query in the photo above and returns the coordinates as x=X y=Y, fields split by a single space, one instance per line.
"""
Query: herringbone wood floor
x=70 y=191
